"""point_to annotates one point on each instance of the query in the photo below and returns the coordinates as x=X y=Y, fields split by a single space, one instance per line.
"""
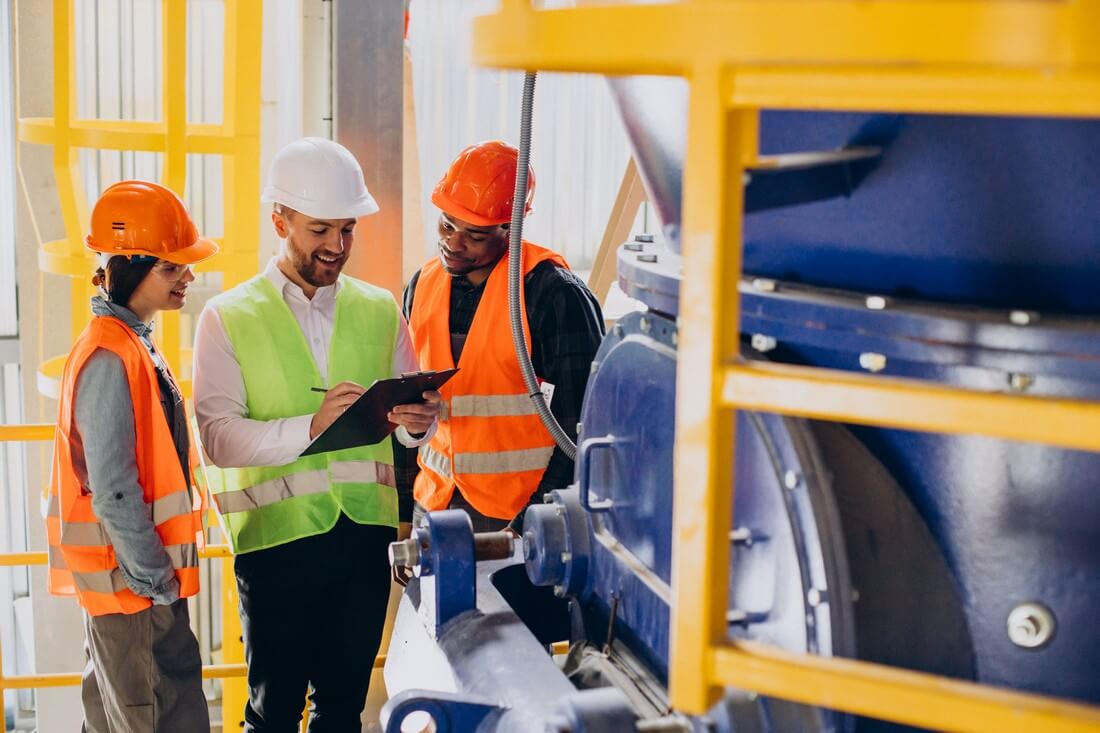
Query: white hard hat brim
x=365 y=205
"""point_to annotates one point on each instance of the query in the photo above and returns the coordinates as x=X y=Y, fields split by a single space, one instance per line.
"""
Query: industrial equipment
x=960 y=251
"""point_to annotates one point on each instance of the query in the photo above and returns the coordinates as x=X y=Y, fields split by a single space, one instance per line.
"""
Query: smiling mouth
x=180 y=292
x=327 y=259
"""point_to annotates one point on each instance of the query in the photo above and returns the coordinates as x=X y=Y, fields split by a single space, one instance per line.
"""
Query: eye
x=320 y=230
x=349 y=230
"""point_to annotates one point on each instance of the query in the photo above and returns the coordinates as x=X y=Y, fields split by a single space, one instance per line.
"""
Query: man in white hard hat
x=309 y=534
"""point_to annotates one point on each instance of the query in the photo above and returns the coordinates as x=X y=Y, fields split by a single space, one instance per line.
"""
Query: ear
x=280 y=224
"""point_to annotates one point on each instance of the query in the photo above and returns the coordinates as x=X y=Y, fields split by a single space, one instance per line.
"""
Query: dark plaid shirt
x=566 y=330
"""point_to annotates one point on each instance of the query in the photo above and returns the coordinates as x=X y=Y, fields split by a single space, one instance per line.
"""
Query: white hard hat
x=319 y=178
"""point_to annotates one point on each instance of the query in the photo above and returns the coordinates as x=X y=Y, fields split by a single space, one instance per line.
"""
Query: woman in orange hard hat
x=124 y=517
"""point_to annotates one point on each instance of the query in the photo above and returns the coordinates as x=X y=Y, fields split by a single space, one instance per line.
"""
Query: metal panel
x=368 y=103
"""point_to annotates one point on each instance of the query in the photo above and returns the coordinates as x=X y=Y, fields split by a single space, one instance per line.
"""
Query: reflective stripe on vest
x=304 y=484
x=278 y=369
x=490 y=443
x=491 y=405
x=512 y=461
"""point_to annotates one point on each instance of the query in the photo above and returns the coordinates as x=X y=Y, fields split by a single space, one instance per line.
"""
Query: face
x=163 y=289
x=465 y=249
x=317 y=249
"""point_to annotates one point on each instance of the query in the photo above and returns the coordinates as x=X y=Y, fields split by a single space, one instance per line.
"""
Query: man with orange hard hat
x=491 y=454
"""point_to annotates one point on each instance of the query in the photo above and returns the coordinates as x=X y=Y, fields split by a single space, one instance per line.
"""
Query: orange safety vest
x=489 y=442
x=81 y=557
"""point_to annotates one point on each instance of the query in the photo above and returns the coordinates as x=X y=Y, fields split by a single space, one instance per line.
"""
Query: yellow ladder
x=236 y=140
x=1003 y=57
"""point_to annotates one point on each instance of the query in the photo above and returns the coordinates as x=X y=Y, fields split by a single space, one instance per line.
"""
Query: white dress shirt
x=230 y=438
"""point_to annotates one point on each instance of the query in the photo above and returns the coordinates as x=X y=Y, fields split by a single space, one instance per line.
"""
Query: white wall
x=579 y=148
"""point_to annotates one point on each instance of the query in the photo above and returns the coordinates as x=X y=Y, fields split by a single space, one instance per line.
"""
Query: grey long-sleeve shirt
x=103 y=447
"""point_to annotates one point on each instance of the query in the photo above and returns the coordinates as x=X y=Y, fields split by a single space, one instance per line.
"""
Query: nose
x=335 y=242
x=454 y=241
x=188 y=275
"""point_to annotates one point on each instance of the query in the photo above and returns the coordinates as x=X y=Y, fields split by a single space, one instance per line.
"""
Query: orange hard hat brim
x=448 y=205
x=201 y=250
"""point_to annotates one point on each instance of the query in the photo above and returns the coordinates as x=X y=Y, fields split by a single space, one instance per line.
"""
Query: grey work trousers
x=144 y=673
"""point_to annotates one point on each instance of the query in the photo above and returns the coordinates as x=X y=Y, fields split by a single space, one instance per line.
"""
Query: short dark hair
x=123 y=275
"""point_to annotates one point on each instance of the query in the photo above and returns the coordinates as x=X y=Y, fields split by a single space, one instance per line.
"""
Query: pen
x=317 y=389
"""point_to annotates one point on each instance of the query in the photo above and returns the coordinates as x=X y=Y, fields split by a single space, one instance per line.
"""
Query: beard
x=311 y=269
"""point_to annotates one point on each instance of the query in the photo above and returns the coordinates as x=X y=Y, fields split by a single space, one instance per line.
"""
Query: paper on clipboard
x=365 y=421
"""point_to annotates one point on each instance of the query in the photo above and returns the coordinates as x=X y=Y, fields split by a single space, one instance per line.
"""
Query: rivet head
x=1020 y=382
x=792 y=480
x=763 y=343
x=649 y=259
x=644 y=325
x=876 y=302
x=872 y=362
x=566 y=557
x=1030 y=625
x=1023 y=318
x=643 y=238
x=815 y=597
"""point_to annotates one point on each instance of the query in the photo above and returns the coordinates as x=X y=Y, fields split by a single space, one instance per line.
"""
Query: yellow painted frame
x=236 y=139
x=1004 y=57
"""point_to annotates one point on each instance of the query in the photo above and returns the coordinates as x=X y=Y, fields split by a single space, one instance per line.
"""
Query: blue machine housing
x=962 y=252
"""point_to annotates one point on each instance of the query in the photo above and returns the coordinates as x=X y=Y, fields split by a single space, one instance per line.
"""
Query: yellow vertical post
x=234 y=689
x=703 y=500
x=241 y=169
x=174 y=115
x=66 y=158
x=241 y=186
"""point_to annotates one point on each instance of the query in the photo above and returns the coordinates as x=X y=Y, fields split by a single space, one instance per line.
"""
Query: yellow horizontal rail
x=827 y=394
x=15 y=559
x=34 y=431
x=209 y=672
x=135 y=135
x=908 y=697
x=956 y=56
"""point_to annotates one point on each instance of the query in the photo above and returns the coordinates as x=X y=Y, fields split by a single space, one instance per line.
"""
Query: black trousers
x=312 y=613
x=480 y=522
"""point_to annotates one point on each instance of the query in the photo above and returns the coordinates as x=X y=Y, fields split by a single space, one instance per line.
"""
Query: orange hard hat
x=144 y=218
x=479 y=185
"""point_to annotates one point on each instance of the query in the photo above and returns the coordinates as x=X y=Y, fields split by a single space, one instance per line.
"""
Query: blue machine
x=961 y=251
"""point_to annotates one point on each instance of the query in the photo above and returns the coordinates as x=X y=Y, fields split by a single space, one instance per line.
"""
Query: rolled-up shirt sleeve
x=229 y=437
x=104 y=415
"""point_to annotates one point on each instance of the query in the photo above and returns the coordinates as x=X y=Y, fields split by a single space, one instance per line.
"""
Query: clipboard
x=365 y=422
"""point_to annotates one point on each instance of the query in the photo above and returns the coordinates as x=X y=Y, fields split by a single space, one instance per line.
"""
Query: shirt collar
x=287 y=287
x=103 y=307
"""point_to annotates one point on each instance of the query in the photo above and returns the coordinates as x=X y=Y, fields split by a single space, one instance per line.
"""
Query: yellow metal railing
x=236 y=139
x=231 y=717
x=1006 y=57
x=38 y=681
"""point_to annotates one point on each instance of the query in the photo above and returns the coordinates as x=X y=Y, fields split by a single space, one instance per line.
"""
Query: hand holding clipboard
x=364 y=419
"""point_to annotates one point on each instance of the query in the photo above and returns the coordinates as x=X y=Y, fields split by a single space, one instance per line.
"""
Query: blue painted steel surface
x=450 y=713
x=977 y=239
x=778 y=554
x=447 y=554
x=997 y=212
